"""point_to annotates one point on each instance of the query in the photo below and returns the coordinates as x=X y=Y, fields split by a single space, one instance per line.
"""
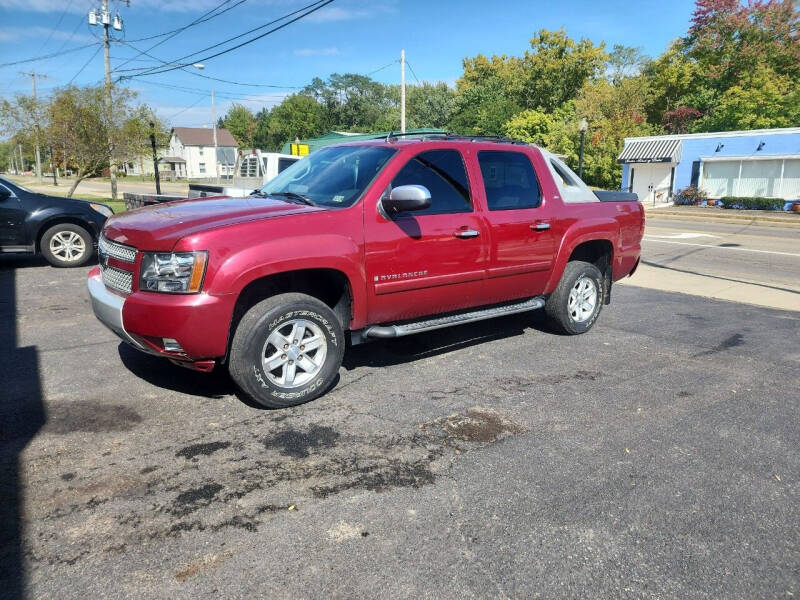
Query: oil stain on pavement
x=217 y=484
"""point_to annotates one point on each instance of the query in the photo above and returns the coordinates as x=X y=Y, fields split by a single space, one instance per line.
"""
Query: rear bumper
x=198 y=322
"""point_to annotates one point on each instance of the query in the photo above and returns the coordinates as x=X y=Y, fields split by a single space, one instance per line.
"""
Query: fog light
x=171 y=345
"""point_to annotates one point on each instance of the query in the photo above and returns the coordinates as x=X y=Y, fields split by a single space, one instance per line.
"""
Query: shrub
x=689 y=195
x=745 y=203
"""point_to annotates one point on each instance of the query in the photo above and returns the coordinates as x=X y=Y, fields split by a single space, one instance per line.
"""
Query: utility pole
x=155 y=157
x=112 y=168
x=21 y=158
x=402 y=91
x=214 y=128
x=33 y=77
x=53 y=166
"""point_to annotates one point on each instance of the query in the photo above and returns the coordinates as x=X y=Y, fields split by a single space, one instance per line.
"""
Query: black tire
x=250 y=344
x=560 y=315
x=67 y=230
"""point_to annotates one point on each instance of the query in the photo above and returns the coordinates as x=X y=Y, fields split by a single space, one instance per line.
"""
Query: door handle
x=466 y=233
x=541 y=226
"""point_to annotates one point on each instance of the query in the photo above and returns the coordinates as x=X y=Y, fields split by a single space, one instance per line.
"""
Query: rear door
x=522 y=241
x=429 y=261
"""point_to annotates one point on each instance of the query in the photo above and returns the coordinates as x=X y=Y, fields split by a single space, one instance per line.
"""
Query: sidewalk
x=714 y=286
x=771 y=218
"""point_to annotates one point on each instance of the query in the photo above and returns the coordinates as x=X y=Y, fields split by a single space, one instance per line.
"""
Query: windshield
x=334 y=177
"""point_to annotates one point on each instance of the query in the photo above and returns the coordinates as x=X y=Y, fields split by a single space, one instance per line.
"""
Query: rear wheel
x=66 y=245
x=575 y=305
x=287 y=350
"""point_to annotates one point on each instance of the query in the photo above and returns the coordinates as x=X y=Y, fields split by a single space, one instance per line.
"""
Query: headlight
x=173 y=272
x=102 y=209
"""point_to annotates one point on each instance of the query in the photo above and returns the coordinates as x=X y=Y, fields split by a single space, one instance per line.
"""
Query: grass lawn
x=117 y=206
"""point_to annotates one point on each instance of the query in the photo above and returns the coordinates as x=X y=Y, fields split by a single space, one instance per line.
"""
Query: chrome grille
x=115 y=250
x=117 y=279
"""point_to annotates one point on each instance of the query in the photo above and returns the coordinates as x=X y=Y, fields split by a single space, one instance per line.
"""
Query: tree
x=135 y=139
x=351 y=102
x=624 y=61
x=429 y=105
x=78 y=131
x=762 y=100
x=298 y=116
x=241 y=122
x=492 y=90
x=24 y=118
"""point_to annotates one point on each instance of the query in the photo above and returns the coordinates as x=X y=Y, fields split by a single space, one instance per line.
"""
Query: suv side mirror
x=4 y=194
x=407 y=198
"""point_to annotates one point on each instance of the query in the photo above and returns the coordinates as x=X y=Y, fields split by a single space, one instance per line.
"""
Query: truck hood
x=159 y=227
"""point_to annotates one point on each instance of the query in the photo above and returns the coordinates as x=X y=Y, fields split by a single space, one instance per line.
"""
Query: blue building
x=763 y=163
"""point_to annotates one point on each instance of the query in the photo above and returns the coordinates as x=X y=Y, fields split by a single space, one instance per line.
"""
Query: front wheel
x=287 y=350
x=66 y=245
x=575 y=305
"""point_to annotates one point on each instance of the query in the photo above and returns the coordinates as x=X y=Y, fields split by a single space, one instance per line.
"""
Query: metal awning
x=651 y=151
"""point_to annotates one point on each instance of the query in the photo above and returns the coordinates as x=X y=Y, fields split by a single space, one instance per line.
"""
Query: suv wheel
x=575 y=305
x=287 y=350
x=66 y=245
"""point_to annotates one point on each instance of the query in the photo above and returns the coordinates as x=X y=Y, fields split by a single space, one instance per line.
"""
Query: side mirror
x=407 y=198
x=4 y=193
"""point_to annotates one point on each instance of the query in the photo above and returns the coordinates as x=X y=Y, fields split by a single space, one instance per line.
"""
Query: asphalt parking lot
x=654 y=457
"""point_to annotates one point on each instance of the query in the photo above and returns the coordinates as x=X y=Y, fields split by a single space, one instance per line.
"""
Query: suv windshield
x=334 y=177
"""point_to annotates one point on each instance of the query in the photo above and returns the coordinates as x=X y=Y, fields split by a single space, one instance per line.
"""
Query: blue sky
x=358 y=36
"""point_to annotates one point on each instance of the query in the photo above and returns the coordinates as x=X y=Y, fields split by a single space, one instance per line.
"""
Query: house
x=761 y=163
x=191 y=153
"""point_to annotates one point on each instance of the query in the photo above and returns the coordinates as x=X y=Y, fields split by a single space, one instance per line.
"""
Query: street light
x=582 y=127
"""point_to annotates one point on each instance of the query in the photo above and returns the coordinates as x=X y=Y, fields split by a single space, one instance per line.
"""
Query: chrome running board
x=391 y=331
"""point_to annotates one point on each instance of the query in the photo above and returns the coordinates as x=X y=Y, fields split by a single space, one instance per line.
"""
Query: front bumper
x=199 y=322
x=107 y=307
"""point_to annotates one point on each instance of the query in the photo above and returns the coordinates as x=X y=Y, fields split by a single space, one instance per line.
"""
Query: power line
x=197 y=21
x=169 y=118
x=53 y=30
x=86 y=64
x=386 y=66
x=46 y=56
x=410 y=68
x=314 y=6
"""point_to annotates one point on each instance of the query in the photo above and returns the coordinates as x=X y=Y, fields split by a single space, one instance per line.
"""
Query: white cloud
x=8 y=34
x=332 y=51
x=355 y=9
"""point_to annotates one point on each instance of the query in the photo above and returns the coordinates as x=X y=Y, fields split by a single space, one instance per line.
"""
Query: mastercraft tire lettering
x=286 y=350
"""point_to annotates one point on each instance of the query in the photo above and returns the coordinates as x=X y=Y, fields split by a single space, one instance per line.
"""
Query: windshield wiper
x=296 y=197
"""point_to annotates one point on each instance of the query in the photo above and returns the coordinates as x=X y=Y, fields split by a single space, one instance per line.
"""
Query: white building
x=191 y=153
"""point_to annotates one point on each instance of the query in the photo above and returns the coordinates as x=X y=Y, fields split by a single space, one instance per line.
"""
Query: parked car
x=371 y=240
x=252 y=170
x=63 y=230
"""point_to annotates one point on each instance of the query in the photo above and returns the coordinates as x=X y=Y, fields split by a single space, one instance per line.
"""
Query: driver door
x=433 y=260
x=12 y=219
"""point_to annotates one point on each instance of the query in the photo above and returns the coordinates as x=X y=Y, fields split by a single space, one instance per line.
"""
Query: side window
x=509 y=180
x=564 y=178
x=443 y=173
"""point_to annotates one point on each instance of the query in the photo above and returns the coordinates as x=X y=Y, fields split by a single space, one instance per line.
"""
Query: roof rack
x=449 y=135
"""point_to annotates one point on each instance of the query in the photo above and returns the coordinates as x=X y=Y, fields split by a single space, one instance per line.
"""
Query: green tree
x=241 y=122
x=78 y=131
x=761 y=100
x=298 y=116
x=134 y=144
x=351 y=102
x=429 y=105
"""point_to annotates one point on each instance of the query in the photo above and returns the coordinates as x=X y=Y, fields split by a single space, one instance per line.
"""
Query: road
x=654 y=457
x=730 y=261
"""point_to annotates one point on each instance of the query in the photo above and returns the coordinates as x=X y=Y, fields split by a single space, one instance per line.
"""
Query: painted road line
x=651 y=239
x=682 y=236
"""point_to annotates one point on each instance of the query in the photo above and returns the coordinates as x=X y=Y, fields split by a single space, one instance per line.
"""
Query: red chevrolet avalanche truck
x=361 y=241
